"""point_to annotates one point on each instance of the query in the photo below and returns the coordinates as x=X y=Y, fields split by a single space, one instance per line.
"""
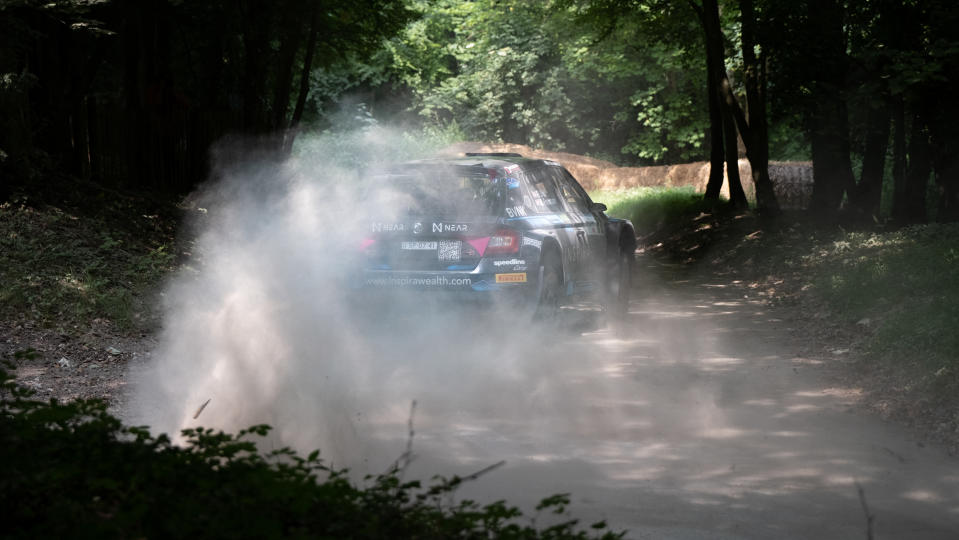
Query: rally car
x=497 y=226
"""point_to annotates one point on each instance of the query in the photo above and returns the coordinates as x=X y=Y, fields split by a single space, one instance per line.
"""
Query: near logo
x=519 y=277
x=450 y=227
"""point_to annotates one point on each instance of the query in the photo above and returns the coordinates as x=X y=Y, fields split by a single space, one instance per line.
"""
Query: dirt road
x=708 y=418
x=706 y=421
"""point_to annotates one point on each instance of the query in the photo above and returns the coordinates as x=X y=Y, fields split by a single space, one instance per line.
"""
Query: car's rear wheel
x=550 y=288
x=618 y=287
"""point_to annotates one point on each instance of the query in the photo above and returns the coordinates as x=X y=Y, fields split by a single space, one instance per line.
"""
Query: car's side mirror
x=599 y=207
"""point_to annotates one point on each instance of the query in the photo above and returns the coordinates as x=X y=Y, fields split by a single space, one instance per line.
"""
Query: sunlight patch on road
x=807 y=361
x=839 y=480
x=666 y=315
x=831 y=392
x=922 y=495
x=721 y=361
x=790 y=434
x=544 y=458
x=762 y=402
x=803 y=407
x=717 y=472
x=469 y=430
x=618 y=344
x=724 y=433
x=653 y=450
x=620 y=369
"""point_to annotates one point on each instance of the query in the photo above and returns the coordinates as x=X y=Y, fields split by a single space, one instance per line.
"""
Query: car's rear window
x=440 y=191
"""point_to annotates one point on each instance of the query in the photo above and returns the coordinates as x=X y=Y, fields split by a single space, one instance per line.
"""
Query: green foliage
x=73 y=469
x=371 y=144
x=651 y=209
x=559 y=75
x=905 y=283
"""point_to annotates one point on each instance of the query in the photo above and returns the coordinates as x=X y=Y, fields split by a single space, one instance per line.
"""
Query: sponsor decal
x=516 y=211
x=532 y=242
x=450 y=227
x=518 y=277
x=431 y=281
x=449 y=250
x=575 y=253
x=509 y=262
x=388 y=227
x=418 y=245
x=417 y=228
x=479 y=244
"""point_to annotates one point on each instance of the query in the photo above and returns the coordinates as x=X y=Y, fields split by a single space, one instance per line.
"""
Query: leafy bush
x=74 y=470
x=653 y=208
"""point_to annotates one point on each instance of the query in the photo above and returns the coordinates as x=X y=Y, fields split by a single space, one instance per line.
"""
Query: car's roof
x=489 y=161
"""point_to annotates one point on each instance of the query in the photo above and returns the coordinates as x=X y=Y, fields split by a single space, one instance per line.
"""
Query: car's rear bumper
x=454 y=283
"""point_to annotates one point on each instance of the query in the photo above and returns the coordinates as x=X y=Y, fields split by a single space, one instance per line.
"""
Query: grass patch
x=64 y=265
x=653 y=208
x=73 y=469
x=904 y=284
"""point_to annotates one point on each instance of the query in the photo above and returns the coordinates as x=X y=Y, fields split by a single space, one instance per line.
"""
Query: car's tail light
x=503 y=241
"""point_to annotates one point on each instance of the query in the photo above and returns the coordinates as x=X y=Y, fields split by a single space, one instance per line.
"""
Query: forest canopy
x=134 y=93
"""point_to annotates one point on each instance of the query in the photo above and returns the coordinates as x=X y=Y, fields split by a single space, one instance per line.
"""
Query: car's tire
x=618 y=287
x=549 y=290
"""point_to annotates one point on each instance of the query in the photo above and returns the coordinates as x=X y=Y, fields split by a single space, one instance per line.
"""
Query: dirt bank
x=792 y=179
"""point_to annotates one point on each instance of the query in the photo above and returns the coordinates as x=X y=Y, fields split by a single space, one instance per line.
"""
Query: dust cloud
x=264 y=325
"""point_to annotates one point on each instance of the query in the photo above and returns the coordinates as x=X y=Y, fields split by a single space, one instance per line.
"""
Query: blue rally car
x=493 y=226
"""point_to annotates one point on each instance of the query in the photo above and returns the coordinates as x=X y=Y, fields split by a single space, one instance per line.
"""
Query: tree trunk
x=917 y=172
x=304 y=81
x=716 y=149
x=868 y=194
x=736 y=194
x=832 y=169
x=899 y=161
x=715 y=56
x=945 y=134
x=829 y=119
x=947 y=178
x=757 y=137
x=255 y=49
x=283 y=83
